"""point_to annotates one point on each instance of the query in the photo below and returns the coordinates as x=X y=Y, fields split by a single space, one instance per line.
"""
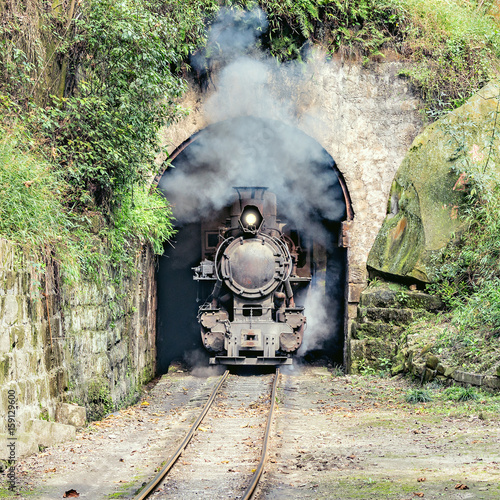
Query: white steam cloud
x=319 y=320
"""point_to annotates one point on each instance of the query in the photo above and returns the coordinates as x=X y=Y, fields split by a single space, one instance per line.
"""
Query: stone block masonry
x=89 y=344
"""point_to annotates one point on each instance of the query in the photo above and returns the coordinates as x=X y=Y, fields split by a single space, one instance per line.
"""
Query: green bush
x=33 y=213
x=105 y=131
x=98 y=400
x=31 y=195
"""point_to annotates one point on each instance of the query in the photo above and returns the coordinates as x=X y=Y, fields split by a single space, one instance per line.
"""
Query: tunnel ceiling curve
x=250 y=151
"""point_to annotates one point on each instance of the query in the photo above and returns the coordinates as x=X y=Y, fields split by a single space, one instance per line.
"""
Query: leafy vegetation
x=418 y=396
x=454 y=47
x=354 y=27
x=121 y=66
x=460 y=401
x=105 y=131
x=99 y=402
x=31 y=196
x=457 y=393
x=33 y=213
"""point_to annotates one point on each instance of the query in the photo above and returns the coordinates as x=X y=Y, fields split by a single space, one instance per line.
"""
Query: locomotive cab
x=250 y=316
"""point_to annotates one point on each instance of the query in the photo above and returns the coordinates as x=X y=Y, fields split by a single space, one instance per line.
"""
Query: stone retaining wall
x=382 y=315
x=427 y=367
x=90 y=344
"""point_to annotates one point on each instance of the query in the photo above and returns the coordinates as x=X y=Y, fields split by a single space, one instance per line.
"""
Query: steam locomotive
x=252 y=268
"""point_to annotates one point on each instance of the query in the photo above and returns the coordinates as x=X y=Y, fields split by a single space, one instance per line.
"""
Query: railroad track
x=236 y=417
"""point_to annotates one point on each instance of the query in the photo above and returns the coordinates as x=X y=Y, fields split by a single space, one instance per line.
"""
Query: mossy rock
x=386 y=315
x=422 y=215
x=383 y=296
x=375 y=329
x=369 y=352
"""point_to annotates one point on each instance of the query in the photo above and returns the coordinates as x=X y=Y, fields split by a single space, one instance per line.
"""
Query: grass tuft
x=418 y=396
x=460 y=394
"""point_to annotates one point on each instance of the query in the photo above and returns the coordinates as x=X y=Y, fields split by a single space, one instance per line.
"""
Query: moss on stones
x=422 y=216
x=383 y=316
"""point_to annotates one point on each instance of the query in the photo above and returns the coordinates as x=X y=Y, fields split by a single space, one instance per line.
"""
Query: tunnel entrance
x=312 y=203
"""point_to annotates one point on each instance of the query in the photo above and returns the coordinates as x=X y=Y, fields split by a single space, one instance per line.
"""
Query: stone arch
x=365 y=117
x=190 y=156
x=180 y=148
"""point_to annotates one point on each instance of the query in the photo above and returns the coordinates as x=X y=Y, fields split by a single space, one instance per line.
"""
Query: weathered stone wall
x=365 y=118
x=382 y=314
x=69 y=344
x=380 y=338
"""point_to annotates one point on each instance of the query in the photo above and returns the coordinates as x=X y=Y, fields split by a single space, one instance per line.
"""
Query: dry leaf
x=460 y=486
x=71 y=494
x=421 y=479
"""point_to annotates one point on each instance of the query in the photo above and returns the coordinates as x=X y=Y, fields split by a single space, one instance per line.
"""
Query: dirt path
x=334 y=438
x=355 y=438
x=112 y=458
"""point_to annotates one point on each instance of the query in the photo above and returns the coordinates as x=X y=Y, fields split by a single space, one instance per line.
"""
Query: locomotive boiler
x=253 y=267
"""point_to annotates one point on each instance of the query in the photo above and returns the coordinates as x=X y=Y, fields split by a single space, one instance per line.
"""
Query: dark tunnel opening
x=178 y=332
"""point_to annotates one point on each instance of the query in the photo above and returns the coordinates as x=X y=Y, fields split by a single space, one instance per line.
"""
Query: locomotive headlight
x=250 y=219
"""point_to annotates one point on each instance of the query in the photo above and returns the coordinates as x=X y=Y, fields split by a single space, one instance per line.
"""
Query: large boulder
x=422 y=212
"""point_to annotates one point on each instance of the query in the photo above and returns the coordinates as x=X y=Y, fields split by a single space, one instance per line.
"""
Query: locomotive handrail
x=156 y=480
x=217 y=260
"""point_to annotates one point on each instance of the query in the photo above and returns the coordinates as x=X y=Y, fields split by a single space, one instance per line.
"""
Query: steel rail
x=156 y=480
x=260 y=468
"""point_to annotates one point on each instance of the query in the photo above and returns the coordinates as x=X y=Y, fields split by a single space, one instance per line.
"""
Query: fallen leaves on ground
x=460 y=486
